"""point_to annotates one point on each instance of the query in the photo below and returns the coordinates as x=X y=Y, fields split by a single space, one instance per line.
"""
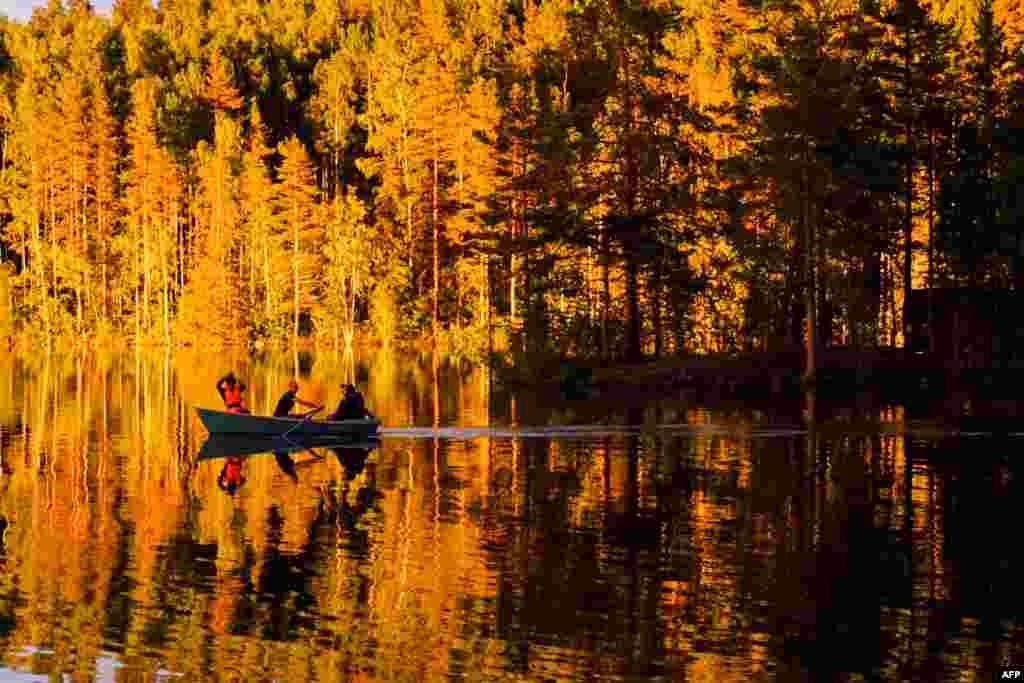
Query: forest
x=615 y=179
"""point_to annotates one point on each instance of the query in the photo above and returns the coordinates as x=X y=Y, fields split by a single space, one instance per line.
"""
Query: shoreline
x=863 y=378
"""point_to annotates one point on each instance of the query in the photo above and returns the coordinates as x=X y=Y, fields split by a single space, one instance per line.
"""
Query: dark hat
x=349 y=389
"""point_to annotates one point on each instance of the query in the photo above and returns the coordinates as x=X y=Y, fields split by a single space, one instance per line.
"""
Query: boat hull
x=221 y=422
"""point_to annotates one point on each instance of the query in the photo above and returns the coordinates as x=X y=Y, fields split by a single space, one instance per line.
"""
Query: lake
x=657 y=541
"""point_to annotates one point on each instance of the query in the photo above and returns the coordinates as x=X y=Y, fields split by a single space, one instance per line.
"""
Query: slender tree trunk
x=633 y=350
x=810 y=312
x=138 y=320
x=146 y=274
x=631 y=179
x=908 y=255
x=437 y=257
x=513 y=268
x=295 y=273
x=253 y=267
x=931 y=239
x=106 y=295
x=655 y=290
x=80 y=243
x=53 y=270
x=590 y=289
x=267 y=294
x=165 y=286
x=482 y=313
x=893 y=328
x=606 y=292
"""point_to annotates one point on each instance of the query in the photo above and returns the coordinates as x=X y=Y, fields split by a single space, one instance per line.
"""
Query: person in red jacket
x=231 y=391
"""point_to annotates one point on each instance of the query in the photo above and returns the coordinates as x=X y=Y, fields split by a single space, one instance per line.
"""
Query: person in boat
x=287 y=465
x=351 y=407
x=231 y=390
x=231 y=478
x=288 y=400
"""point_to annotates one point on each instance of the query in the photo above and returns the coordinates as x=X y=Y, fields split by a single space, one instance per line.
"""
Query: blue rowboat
x=221 y=422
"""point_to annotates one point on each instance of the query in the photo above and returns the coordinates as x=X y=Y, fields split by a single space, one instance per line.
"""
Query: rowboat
x=240 y=445
x=220 y=422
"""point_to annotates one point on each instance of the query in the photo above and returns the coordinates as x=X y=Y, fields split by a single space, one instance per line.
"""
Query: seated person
x=351 y=407
x=289 y=399
x=231 y=391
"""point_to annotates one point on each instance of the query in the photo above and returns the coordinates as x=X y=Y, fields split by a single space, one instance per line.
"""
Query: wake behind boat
x=221 y=422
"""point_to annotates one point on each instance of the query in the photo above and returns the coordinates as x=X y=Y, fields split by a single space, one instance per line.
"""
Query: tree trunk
x=655 y=293
x=146 y=275
x=606 y=294
x=810 y=310
x=295 y=273
x=165 y=303
x=931 y=239
x=631 y=242
x=267 y=308
x=513 y=271
x=436 y=248
x=633 y=350
x=483 y=313
x=138 y=320
x=53 y=271
x=908 y=226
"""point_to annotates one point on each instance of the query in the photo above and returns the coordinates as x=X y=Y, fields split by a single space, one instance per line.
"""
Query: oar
x=305 y=419
x=303 y=447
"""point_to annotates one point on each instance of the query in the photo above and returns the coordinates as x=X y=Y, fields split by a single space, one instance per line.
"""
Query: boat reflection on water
x=234 y=450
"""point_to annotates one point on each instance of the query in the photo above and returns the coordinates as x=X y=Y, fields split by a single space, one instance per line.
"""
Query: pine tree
x=348 y=253
x=905 y=68
x=296 y=191
x=256 y=197
x=141 y=191
x=335 y=102
x=104 y=139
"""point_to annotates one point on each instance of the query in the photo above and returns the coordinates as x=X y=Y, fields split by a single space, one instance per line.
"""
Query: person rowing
x=231 y=391
x=351 y=407
x=288 y=400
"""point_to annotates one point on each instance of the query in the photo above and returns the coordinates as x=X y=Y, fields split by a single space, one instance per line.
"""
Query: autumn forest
x=591 y=178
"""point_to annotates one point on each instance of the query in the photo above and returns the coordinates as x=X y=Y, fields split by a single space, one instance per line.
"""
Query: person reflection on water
x=287 y=465
x=353 y=460
x=231 y=478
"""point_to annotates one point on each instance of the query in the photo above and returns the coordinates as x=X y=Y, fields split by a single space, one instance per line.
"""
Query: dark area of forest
x=597 y=180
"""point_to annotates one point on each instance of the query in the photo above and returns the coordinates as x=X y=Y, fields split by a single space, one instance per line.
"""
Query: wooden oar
x=305 y=419
x=304 y=447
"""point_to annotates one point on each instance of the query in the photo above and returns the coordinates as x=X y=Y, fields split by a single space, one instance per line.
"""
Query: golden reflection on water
x=645 y=556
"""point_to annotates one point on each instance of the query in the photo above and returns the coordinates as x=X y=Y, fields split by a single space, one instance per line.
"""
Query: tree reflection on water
x=648 y=555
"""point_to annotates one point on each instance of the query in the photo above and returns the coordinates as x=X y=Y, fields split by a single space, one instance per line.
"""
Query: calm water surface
x=737 y=550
